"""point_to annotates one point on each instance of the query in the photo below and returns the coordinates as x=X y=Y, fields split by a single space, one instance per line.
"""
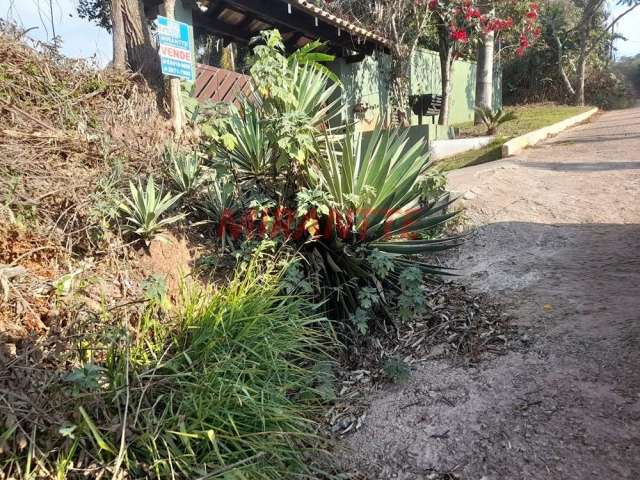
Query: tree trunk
x=119 y=41
x=445 y=51
x=582 y=60
x=563 y=73
x=141 y=54
x=582 y=68
x=484 y=74
x=399 y=91
x=174 y=83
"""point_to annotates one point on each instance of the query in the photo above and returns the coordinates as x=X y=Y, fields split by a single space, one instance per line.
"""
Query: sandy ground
x=558 y=243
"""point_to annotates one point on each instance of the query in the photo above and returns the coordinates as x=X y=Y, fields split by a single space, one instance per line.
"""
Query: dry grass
x=65 y=124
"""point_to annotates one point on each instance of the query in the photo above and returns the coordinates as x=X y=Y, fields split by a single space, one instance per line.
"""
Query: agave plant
x=374 y=185
x=220 y=207
x=492 y=120
x=144 y=209
x=185 y=170
x=254 y=154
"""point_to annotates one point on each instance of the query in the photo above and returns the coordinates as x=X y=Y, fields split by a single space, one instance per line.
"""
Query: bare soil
x=558 y=243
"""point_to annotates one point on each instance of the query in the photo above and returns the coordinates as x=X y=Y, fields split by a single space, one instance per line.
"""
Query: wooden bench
x=427 y=105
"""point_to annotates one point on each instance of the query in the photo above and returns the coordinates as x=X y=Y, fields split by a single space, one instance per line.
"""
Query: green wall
x=367 y=82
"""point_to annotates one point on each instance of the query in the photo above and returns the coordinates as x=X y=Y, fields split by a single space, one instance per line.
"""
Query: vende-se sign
x=175 y=44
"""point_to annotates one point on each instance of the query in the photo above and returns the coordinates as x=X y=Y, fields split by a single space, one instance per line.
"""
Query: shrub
x=378 y=218
x=144 y=208
x=354 y=208
x=492 y=120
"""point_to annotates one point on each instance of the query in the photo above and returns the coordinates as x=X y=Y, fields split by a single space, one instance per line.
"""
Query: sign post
x=176 y=47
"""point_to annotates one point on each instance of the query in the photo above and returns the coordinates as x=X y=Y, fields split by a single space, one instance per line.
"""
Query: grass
x=230 y=389
x=529 y=117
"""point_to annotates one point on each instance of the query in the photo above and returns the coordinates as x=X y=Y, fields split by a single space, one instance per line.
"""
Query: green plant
x=276 y=131
x=492 y=120
x=219 y=204
x=144 y=208
x=396 y=370
x=234 y=394
x=308 y=54
x=208 y=118
x=185 y=170
x=378 y=215
x=411 y=298
x=432 y=186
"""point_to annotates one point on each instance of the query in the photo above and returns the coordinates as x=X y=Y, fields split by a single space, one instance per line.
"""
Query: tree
x=591 y=25
x=525 y=15
x=140 y=53
x=460 y=24
x=484 y=66
x=118 y=36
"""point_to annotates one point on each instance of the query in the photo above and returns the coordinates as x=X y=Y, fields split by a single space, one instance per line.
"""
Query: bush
x=492 y=120
x=341 y=200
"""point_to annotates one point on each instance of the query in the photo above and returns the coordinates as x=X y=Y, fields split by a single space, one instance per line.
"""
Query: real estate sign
x=176 y=47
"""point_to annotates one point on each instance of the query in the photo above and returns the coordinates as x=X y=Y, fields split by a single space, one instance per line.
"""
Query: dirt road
x=559 y=243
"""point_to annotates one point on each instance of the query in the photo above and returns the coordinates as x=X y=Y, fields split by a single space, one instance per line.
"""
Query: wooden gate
x=221 y=85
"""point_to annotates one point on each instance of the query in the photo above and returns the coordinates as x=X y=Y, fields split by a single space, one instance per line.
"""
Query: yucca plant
x=379 y=213
x=492 y=120
x=185 y=170
x=144 y=209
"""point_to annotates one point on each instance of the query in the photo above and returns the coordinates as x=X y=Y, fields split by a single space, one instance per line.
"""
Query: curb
x=516 y=145
x=442 y=149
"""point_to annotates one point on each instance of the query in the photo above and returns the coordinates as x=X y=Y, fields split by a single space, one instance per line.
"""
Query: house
x=362 y=60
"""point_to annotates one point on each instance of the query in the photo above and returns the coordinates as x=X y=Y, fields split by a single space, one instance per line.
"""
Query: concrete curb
x=441 y=149
x=516 y=145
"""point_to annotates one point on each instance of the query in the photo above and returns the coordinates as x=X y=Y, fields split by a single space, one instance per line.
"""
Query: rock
x=469 y=195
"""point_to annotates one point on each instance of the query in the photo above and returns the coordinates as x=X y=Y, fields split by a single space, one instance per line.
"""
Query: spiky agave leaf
x=144 y=208
x=377 y=180
x=184 y=169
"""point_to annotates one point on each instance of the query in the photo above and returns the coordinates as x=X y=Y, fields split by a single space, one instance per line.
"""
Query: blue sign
x=176 y=47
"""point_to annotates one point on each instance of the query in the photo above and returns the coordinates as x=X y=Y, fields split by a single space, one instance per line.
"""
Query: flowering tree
x=463 y=24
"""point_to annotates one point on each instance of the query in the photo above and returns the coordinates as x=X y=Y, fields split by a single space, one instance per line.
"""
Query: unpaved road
x=559 y=244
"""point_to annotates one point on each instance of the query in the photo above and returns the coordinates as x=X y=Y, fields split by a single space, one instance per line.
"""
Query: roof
x=299 y=22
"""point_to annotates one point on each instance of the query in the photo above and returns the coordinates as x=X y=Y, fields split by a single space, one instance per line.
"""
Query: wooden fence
x=220 y=85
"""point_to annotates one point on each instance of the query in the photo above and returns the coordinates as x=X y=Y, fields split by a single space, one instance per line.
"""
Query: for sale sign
x=175 y=44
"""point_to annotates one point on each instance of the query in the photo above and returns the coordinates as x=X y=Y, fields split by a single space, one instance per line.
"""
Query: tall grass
x=226 y=390
x=236 y=399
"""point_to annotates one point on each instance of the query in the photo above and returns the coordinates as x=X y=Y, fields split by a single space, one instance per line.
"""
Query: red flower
x=471 y=13
x=524 y=41
x=537 y=32
x=534 y=6
x=532 y=16
x=520 y=51
x=433 y=4
x=460 y=36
